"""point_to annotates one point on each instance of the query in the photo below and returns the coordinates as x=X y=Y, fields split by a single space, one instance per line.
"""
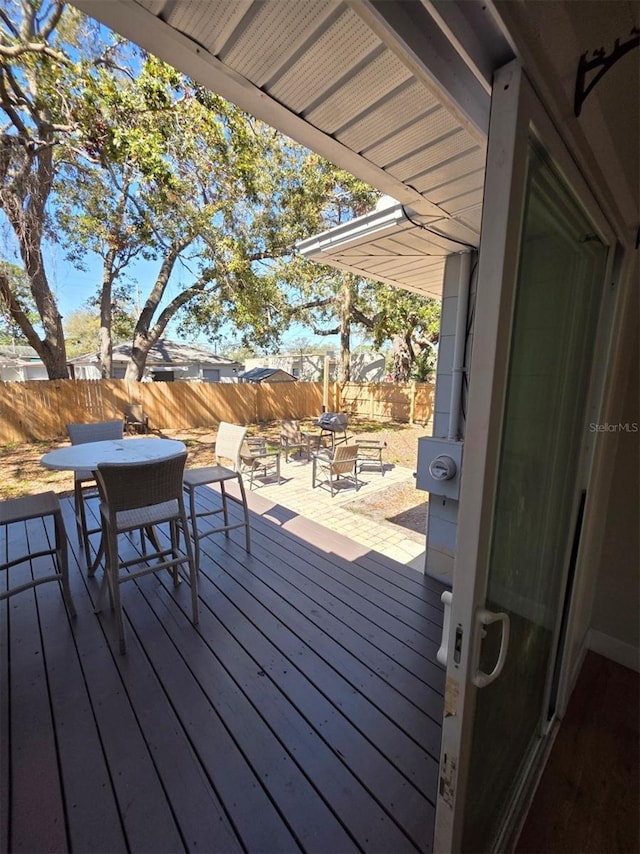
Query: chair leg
x=245 y=508
x=175 y=550
x=225 y=506
x=81 y=519
x=83 y=537
x=117 y=605
x=112 y=568
x=193 y=569
x=62 y=560
x=194 y=526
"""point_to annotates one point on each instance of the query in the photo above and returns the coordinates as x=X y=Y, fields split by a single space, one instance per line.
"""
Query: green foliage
x=82 y=331
x=10 y=331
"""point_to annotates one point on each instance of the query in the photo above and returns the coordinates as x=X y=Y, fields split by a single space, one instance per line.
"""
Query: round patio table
x=89 y=455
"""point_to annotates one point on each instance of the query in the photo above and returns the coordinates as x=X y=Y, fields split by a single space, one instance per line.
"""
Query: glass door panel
x=558 y=294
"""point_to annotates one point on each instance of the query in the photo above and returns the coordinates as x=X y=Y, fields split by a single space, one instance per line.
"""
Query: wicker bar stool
x=41 y=506
x=137 y=496
x=84 y=484
x=229 y=443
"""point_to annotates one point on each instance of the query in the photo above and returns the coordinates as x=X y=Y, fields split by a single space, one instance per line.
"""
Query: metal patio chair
x=228 y=447
x=370 y=451
x=137 y=496
x=257 y=459
x=341 y=465
x=84 y=486
x=41 y=506
x=292 y=438
x=135 y=418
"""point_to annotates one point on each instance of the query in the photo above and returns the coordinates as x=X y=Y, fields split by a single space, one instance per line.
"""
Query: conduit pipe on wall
x=464 y=286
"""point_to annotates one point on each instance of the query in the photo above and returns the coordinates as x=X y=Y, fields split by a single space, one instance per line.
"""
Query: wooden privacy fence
x=41 y=409
x=410 y=403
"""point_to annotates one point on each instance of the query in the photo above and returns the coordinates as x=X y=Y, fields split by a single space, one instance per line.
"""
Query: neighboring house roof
x=266 y=375
x=163 y=353
x=19 y=363
x=365 y=366
x=18 y=354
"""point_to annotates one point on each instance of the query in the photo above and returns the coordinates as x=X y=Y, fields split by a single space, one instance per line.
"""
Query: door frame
x=516 y=113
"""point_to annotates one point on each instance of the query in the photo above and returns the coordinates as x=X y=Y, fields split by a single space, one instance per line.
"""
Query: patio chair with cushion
x=21 y=510
x=135 y=418
x=335 y=469
x=257 y=459
x=292 y=439
x=84 y=486
x=228 y=447
x=135 y=496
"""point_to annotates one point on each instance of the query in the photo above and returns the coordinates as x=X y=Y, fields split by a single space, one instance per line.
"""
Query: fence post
x=412 y=403
x=325 y=383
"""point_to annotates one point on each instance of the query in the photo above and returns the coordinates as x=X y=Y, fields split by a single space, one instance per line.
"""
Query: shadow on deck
x=303 y=713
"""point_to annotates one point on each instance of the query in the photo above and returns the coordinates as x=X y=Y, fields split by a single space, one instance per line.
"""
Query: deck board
x=303 y=713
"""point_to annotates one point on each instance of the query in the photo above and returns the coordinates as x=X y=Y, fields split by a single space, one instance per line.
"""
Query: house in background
x=168 y=361
x=365 y=367
x=266 y=375
x=19 y=363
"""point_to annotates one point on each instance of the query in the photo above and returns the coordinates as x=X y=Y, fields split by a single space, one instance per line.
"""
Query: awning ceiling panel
x=325 y=63
x=387 y=246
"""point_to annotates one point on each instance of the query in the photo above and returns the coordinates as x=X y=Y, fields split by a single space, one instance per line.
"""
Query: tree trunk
x=53 y=350
x=346 y=298
x=401 y=360
x=23 y=203
x=145 y=336
x=106 y=342
x=138 y=359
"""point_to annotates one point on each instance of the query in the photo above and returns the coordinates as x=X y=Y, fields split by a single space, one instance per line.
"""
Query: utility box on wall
x=439 y=466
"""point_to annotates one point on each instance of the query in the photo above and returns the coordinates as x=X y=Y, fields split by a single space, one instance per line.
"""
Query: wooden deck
x=303 y=713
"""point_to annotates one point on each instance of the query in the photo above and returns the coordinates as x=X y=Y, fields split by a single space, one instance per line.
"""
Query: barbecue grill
x=333 y=424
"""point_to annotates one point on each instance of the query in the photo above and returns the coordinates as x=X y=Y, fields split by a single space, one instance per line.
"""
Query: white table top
x=88 y=455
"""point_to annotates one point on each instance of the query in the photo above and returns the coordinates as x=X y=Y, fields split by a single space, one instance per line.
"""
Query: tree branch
x=316 y=303
x=18 y=315
x=7 y=106
x=33 y=47
x=317 y=331
x=361 y=318
x=9 y=23
x=52 y=23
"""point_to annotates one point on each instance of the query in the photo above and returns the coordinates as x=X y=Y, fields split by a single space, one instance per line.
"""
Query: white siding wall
x=442 y=513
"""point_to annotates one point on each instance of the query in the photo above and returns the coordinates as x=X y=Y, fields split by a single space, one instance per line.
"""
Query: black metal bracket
x=599 y=60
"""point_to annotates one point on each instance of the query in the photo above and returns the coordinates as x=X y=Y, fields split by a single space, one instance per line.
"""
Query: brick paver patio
x=296 y=494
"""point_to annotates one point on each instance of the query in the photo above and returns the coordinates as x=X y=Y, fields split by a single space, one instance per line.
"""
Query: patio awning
x=393 y=244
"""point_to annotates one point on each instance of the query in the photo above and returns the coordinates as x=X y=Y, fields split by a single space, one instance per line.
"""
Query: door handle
x=486 y=618
x=443 y=653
